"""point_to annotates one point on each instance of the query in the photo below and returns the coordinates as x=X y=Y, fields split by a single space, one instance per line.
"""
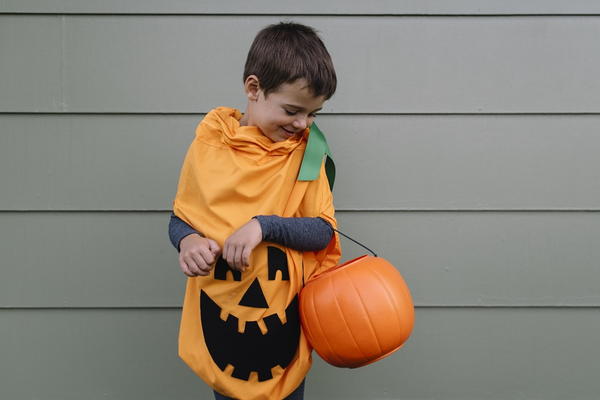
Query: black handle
x=357 y=242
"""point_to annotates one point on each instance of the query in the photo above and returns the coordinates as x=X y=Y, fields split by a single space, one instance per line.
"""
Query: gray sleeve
x=299 y=233
x=178 y=229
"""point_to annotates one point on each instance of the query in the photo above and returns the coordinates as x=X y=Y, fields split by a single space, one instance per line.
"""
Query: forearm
x=178 y=229
x=301 y=233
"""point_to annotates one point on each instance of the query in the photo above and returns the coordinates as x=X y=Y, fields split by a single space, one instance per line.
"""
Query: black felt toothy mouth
x=251 y=350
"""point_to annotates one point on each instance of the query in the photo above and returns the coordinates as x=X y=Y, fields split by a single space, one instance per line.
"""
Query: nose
x=300 y=123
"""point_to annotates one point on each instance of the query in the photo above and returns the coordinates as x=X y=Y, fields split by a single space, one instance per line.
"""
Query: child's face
x=285 y=112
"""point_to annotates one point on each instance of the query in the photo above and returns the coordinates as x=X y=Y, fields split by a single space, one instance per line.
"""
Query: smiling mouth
x=251 y=350
x=288 y=132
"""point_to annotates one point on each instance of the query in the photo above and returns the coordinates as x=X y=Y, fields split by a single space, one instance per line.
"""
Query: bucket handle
x=357 y=242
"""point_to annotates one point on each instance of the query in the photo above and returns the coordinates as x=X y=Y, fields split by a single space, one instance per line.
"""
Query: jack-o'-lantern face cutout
x=267 y=335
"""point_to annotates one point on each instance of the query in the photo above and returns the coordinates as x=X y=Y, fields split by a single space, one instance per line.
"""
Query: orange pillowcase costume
x=240 y=331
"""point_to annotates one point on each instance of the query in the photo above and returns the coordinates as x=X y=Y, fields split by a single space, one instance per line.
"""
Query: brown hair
x=284 y=52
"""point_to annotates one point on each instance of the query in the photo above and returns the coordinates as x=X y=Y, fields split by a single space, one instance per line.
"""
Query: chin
x=287 y=135
x=276 y=136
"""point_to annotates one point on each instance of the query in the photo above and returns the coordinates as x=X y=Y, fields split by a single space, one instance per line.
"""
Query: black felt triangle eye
x=254 y=296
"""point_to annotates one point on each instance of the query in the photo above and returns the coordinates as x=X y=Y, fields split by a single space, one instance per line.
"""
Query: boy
x=249 y=232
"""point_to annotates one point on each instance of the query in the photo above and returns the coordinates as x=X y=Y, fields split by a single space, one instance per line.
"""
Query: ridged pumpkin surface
x=357 y=313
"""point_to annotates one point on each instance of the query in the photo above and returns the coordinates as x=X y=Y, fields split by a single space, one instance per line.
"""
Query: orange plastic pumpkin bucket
x=357 y=313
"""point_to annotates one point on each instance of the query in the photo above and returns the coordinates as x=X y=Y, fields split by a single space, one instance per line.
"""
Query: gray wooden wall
x=466 y=138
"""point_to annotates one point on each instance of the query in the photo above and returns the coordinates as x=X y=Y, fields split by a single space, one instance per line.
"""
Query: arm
x=178 y=229
x=303 y=234
x=300 y=233
x=238 y=247
x=196 y=253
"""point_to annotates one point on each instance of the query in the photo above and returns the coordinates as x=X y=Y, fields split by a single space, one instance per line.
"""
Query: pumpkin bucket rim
x=339 y=267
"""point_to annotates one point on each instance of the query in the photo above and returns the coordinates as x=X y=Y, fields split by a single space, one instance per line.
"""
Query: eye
x=277 y=261
x=288 y=112
x=222 y=268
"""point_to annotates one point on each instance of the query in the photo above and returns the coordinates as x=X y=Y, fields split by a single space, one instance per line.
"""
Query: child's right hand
x=197 y=255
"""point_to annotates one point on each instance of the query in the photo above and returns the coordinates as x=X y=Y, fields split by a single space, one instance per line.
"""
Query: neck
x=244 y=119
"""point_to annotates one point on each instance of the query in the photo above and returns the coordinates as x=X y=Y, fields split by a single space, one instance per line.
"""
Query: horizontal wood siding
x=306 y=7
x=81 y=259
x=384 y=162
x=164 y=64
x=453 y=354
x=466 y=139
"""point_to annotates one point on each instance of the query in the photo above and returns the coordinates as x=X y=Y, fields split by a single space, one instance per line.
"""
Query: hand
x=197 y=255
x=238 y=246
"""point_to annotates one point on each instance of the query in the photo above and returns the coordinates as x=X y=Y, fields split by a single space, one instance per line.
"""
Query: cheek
x=287 y=120
x=278 y=118
x=272 y=119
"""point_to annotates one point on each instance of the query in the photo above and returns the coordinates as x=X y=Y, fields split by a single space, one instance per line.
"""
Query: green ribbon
x=316 y=150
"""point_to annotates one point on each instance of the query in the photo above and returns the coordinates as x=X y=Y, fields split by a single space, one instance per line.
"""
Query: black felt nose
x=254 y=296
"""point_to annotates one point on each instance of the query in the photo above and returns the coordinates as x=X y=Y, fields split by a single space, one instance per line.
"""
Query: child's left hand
x=238 y=246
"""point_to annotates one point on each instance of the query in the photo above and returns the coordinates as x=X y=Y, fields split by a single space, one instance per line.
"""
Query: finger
x=203 y=272
x=238 y=258
x=231 y=252
x=246 y=255
x=201 y=266
x=205 y=256
x=196 y=264
x=214 y=248
x=228 y=253
x=231 y=256
x=184 y=268
x=191 y=265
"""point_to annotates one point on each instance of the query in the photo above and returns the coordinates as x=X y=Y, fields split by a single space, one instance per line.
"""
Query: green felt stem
x=316 y=150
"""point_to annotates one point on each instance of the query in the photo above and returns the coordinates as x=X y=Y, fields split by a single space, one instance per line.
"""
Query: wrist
x=188 y=238
x=259 y=226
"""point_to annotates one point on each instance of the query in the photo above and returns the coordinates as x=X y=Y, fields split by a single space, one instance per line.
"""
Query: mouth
x=290 y=133
x=251 y=350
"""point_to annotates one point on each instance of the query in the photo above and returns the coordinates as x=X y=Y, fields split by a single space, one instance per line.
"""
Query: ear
x=252 y=87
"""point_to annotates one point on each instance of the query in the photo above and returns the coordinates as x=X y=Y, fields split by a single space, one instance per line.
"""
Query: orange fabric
x=230 y=174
